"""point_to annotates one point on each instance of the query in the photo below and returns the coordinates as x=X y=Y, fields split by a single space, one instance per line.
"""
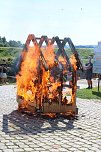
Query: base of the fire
x=47 y=107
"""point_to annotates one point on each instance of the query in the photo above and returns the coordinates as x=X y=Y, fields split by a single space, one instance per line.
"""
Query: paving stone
x=5 y=141
x=28 y=149
x=18 y=150
x=9 y=143
x=2 y=144
x=53 y=150
x=62 y=149
x=39 y=149
x=23 y=146
x=3 y=147
x=7 y=150
x=12 y=147
x=34 y=146
x=95 y=149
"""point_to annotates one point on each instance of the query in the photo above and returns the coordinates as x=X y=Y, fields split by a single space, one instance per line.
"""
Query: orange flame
x=27 y=75
x=34 y=83
x=73 y=62
x=49 y=55
x=62 y=60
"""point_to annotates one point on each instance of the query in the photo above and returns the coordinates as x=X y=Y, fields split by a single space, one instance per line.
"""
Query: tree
x=13 y=43
x=19 y=44
x=3 y=40
x=0 y=38
x=6 y=44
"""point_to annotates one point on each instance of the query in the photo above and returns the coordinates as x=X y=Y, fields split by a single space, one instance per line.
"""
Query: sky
x=78 y=19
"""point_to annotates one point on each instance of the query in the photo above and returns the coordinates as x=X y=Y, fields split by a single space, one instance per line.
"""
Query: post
x=98 y=81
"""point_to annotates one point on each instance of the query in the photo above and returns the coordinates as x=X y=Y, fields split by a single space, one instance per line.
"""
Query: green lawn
x=89 y=93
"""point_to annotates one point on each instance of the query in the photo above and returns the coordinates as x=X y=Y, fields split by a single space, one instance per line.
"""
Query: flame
x=49 y=55
x=28 y=74
x=62 y=60
x=34 y=83
x=73 y=62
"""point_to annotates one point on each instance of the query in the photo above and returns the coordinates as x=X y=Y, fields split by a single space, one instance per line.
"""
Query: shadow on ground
x=96 y=93
x=18 y=123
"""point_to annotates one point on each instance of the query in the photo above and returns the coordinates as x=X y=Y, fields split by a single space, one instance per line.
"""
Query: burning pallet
x=46 y=81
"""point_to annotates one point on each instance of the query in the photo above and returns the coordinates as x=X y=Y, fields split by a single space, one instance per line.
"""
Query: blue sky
x=78 y=19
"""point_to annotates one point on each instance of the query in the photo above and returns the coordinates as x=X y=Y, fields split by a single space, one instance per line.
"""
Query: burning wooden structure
x=46 y=81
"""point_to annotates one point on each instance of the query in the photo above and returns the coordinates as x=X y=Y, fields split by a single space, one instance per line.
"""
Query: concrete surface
x=83 y=83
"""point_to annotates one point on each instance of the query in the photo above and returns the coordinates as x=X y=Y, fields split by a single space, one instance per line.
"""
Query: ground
x=82 y=83
x=19 y=132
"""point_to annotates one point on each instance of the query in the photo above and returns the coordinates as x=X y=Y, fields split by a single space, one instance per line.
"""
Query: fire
x=49 y=55
x=35 y=83
x=62 y=60
x=27 y=75
x=73 y=62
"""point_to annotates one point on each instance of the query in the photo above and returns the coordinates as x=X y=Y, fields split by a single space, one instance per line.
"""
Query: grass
x=89 y=93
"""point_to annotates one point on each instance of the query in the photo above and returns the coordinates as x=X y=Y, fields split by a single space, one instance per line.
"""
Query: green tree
x=13 y=43
x=19 y=44
x=3 y=40
x=6 y=44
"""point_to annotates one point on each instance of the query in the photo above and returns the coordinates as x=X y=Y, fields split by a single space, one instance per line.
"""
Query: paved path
x=83 y=83
x=19 y=132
